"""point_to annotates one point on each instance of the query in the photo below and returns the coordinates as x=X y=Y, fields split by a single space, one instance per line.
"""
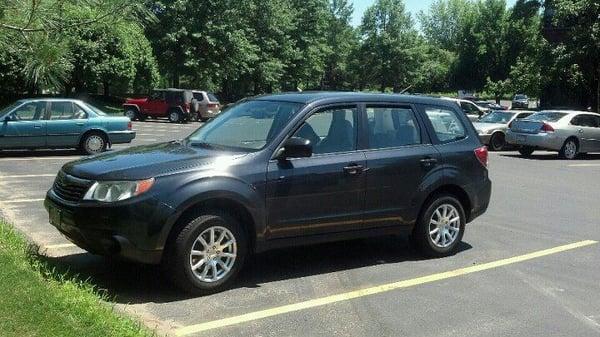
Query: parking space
x=370 y=287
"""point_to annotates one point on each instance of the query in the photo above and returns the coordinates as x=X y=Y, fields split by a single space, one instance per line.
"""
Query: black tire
x=177 y=262
x=570 y=149
x=142 y=117
x=526 y=151
x=132 y=114
x=497 y=142
x=421 y=238
x=93 y=143
x=175 y=116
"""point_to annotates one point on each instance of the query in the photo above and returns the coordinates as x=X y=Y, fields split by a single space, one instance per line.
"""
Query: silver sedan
x=568 y=132
x=493 y=126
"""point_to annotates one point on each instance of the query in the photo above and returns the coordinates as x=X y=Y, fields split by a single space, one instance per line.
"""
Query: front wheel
x=569 y=149
x=207 y=254
x=440 y=227
x=132 y=114
x=497 y=142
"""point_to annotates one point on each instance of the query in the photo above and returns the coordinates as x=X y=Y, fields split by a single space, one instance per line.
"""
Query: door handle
x=428 y=162
x=79 y=123
x=353 y=169
x=580 y=130
x=37 y=126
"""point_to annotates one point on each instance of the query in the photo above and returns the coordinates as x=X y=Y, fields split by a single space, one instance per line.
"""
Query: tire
x=452 y=232
x=178 y=256
x=569 y=150
x=93 y=143
x=131 y=113
x=175 y=116
x=497 y=142
x=142 y=117
x=526 y=151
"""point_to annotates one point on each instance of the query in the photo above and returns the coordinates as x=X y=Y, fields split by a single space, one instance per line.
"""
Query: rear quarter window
x=446 y=124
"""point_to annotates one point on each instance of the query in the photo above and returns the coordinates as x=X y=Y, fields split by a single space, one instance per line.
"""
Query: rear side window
x=61 y=110
x=392 y=127
x=198 y=96
x=446 y=124
x=212 y=97
x=586 y=120
x=546 y=116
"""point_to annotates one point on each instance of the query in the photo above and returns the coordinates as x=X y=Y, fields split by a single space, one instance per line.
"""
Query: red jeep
x=174 y=104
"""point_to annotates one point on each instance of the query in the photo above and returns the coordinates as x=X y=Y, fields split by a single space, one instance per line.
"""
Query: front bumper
x=120 y=137
x=132 y=230
x=547 y=141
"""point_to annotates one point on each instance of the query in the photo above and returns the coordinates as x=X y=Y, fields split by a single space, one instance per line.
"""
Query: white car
x=471 y=109
x=568 y=132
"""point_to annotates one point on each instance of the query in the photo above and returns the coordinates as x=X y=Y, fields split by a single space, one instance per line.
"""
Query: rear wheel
x=569 y=149
x=497 y=142
x=440 y=227
x=93 y=143
x=207 y=254
x=175 y=116
x=526 y=151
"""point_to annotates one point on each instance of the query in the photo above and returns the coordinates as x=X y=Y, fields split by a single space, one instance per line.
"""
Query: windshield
x=546 y=117
x=9 y=108
x=497 y=117
x=520 y=97
x=247 y=126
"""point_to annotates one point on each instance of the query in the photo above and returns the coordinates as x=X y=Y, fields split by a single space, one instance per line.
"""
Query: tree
x=390 y=46
x=442 y=25
x=342 y=41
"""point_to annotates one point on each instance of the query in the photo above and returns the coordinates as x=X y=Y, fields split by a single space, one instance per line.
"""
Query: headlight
x=111 y=191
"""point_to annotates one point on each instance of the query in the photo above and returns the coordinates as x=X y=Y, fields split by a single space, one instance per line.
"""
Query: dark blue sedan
x=61 y=123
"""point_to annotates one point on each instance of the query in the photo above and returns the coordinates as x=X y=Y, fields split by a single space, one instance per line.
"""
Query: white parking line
x=28 y=176
x=37 y=158
x=58 y=246
x=21 y=201
x=584 y=165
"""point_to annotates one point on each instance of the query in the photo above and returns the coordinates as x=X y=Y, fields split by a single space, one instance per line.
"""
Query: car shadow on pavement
x=552 y=156
x=132 y=283
x=38 y=153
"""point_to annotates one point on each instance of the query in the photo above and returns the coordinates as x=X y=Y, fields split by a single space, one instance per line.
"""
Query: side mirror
x=295 y=147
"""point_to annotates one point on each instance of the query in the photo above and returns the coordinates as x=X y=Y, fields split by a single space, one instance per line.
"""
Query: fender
x=94 y=129
x=131 y=105
x=211 y=188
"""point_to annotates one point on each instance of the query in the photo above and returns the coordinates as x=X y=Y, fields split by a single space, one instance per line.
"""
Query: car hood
x=136 y=100
x=148 y=161
x=488 y=126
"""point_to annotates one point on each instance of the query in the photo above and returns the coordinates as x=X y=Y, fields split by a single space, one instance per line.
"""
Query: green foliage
x=39 y=301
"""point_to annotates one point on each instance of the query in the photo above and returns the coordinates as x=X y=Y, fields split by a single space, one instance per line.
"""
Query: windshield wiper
x=203 y=145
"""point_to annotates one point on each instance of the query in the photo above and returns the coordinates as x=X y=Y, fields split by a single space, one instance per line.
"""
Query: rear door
x=156 y=104
x=26 y=127
x=66 y=122
x=586 y=128
x=400 y=159
x=325 y=192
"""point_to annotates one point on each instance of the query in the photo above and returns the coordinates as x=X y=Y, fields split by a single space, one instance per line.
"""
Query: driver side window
x=29 y=112
x=331 y=131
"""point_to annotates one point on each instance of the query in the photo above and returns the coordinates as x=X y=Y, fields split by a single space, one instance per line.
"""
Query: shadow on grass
x=135 y=283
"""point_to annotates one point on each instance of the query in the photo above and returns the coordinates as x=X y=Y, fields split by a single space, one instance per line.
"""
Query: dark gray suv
x=275 y=171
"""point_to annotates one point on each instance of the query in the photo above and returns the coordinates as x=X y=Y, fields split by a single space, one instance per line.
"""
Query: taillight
x=129 y=125
x=482 y=155
x=547 y=128
x=187 y=107
x=213 y=105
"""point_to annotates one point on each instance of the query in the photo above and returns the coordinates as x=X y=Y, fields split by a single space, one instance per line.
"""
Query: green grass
x=36 y=300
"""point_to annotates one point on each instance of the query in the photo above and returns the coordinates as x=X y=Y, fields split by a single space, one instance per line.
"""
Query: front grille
x=70 y=188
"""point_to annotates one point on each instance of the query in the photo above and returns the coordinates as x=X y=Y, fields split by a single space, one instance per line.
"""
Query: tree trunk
x=598 y=92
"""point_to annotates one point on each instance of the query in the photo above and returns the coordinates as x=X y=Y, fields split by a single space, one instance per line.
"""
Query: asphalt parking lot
x=528 y=267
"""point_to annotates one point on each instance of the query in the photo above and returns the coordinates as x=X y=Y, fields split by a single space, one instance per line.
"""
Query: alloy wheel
x=570 y=149
x=213 y=254
x=444 y=226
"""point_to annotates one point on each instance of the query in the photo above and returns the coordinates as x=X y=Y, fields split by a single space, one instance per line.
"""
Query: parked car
x=205 y=105
x=61 y=123
x=174 y=104
x=493 y=126
x=275 y=171
x=568 y=132
x=490 y=106
x=520 y=102
x=469 y=108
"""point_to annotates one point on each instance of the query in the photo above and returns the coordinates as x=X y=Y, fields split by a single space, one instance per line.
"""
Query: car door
x=594 y=133
x=25 y=127
x=584 y=127
x=66 y=123
x=323 y=193
x=400 y=158
x=156 y=105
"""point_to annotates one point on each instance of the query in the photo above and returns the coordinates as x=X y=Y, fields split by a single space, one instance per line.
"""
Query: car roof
x=570 y=112
x=308 y=97
x=50 y=99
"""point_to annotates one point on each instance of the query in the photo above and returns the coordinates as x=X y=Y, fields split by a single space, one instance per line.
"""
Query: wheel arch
x=134 y=106
x=458 y=192
x=102 y=132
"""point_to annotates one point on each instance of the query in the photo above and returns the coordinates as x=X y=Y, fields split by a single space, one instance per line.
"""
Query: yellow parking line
x=21 y=201
x=28 y=176
x=58 y=246
x=373 y=290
